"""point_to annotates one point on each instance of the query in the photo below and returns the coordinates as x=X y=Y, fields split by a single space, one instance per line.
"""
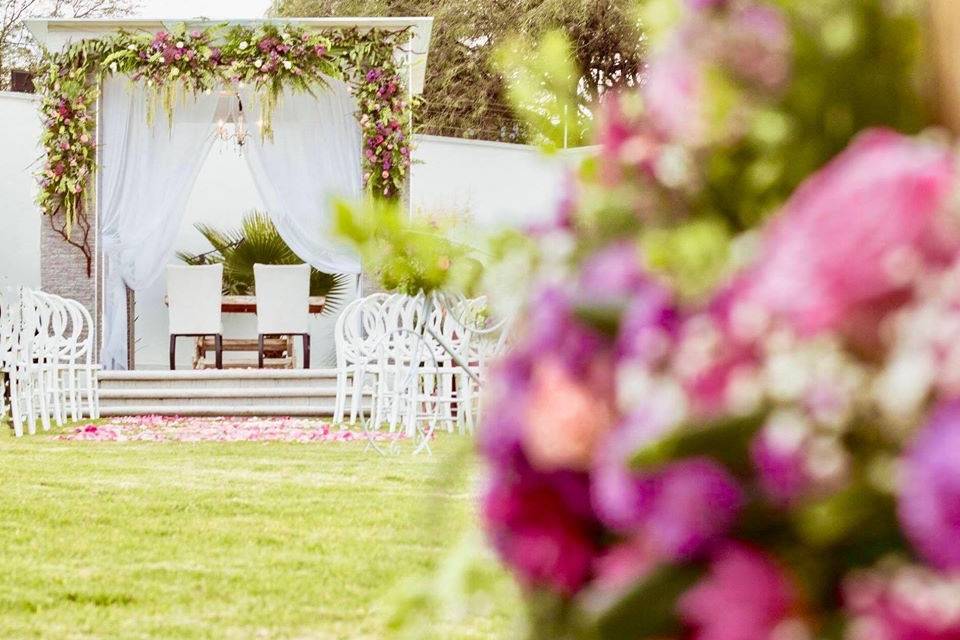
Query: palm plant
x=257 y=241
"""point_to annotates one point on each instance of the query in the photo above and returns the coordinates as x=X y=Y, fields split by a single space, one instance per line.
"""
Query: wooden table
x=248 y=304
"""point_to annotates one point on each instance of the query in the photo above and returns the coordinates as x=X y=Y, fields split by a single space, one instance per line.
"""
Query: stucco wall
x=19 y=148
x=494 y=184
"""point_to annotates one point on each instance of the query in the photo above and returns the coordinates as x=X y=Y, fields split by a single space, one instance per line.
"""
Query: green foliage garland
x=268 y=57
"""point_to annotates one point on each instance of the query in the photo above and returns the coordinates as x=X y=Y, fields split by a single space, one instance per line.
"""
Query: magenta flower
x=781 y=466
x=542 y=527
x=680 y=511
x=879 y=203
x=745 y=596
x=929 y=503
x=706 y=5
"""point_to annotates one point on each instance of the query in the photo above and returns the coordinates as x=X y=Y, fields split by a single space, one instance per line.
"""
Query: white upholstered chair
x=283 y=304
x=194 y=296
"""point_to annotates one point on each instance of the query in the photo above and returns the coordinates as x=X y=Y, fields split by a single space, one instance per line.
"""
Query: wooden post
x=131 y=328
x=944 y=37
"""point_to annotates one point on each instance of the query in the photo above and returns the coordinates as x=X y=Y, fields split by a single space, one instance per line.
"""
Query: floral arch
x=268 y=57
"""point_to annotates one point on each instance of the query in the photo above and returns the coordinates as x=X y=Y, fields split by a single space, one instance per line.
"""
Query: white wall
x=495 y=184
x=19 y=151
x=498 y=184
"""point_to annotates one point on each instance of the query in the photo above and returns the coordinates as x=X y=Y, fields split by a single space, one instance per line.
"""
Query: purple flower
x=612 y=275
x=929 y=503
x=321 y=51
x=681 y=510
x=745 y=596
x=373 y=75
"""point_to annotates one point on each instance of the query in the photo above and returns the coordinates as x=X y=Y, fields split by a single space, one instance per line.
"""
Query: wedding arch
x=128 y=107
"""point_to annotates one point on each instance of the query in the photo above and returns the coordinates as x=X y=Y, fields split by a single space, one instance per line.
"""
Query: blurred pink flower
x=673 y=94
x=565 y=418
x=909 y=603
x=929 y=503
x=847 y=237
x=758 y=45
x=744 y=596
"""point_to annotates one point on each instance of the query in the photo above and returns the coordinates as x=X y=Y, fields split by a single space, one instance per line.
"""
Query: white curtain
x=312 y=157
x=146 y=176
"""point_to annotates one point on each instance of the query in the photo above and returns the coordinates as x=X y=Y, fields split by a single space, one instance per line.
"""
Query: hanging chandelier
x=233 y=128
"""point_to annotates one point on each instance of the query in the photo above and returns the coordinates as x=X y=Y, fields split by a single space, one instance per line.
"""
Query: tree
x=465 y=97
x=19 y=50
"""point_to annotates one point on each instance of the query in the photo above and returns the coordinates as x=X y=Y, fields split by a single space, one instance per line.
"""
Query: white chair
x=194 y=296
x=283 y=304
x=76 y=363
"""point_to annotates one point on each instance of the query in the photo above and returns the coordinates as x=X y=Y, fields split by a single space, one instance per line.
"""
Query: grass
x=213 y=540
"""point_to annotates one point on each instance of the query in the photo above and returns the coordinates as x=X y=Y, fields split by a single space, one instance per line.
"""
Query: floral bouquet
x=711 y=433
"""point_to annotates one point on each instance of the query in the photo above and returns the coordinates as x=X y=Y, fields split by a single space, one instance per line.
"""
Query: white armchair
x=283 y=304
x=194 y=295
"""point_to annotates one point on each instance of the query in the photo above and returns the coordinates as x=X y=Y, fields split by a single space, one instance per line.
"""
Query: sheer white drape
x=313 y=156
x=146 y=175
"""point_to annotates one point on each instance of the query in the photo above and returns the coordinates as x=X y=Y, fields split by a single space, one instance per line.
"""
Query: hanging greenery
x=269 y=58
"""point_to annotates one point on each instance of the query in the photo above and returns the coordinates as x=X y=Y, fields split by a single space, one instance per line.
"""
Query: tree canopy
x=18 y=50
x=464 y=95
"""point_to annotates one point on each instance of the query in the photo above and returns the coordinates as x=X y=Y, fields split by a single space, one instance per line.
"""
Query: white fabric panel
x=146 y=175
x=312 y=157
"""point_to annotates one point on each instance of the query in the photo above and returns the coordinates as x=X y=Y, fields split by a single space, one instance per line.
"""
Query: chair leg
x=260 y=351
x=306 y=351
x=173 y=352
x=218 y=347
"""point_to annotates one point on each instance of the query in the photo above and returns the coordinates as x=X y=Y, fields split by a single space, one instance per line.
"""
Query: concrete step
x=218 y=379
x=242 y=394
x=112 y=410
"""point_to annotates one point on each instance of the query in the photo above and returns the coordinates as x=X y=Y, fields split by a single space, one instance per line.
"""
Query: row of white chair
x=46 y=357
x=414 y=362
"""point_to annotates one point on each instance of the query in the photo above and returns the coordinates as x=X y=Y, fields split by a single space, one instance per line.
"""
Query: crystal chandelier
x=233 y=128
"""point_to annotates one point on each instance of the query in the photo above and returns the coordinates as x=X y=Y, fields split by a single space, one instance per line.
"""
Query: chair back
x=283 y=298
x=194 y=295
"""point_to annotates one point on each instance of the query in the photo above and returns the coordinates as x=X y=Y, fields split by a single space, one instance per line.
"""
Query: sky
x=204 y=8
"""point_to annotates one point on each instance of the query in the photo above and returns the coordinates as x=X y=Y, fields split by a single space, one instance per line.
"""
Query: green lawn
x=213 y=540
